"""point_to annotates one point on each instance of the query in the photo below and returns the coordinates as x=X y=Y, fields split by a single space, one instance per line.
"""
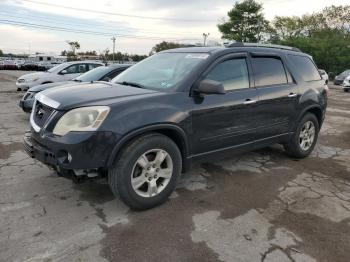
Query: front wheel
x=145 y=173
x=304 y=138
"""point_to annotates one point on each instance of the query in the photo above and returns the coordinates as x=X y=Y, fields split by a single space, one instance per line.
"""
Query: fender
x=145 y=129
x=308 y=108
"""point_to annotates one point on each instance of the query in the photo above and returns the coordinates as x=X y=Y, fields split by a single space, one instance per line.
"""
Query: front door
x=225 y=121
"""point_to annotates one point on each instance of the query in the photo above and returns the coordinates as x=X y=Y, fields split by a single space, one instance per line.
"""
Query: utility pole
x=113 y=39
x=205 y=36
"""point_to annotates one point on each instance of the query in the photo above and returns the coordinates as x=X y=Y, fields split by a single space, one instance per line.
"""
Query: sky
x=28 y=26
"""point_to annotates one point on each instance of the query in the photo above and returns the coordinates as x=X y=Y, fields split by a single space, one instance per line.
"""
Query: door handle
x=249 y=102
x=292 y=95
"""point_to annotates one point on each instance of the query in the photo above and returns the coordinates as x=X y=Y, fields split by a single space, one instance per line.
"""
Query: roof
x=239 y=47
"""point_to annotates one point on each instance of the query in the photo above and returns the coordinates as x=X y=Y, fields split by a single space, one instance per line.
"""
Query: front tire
x=146 y=171
x=304 y=138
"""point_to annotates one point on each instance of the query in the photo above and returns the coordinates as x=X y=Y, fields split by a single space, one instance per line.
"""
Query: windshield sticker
x=197 y=56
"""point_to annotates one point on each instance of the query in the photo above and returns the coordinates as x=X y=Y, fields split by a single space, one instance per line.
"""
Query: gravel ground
x=259 y=206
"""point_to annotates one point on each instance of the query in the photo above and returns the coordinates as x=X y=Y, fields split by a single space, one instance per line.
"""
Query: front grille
x=41 y=113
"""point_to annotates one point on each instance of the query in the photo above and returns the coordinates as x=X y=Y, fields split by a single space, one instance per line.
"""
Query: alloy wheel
x=152 y=173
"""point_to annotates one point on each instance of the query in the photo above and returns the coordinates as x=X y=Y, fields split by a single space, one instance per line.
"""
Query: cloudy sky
x=44 y=25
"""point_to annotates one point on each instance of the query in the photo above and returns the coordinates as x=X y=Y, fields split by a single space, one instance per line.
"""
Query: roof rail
x=284 y=47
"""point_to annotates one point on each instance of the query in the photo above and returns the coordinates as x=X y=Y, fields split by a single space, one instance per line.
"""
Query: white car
x=324 y=75
x=346 y=84
x=63 y=72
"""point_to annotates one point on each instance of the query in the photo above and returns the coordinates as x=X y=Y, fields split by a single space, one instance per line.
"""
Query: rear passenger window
x=268 y=71
x=305 y=67
x=233 y=74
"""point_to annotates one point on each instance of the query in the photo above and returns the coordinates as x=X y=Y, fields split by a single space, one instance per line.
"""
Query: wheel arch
x=174 y=132
x=316 y=110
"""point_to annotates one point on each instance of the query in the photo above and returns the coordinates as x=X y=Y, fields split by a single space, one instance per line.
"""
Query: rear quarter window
x=305 y=67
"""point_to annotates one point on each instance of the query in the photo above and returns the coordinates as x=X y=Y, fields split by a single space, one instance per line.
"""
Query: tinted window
x=233 y=74
x=268 y=71
x=72 y=69
x=305 y=67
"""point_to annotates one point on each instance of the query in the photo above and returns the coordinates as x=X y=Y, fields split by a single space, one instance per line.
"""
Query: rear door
x=278 y=96
x=225 y=121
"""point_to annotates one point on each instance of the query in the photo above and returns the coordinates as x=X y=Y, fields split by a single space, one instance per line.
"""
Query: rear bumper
x=76 y=150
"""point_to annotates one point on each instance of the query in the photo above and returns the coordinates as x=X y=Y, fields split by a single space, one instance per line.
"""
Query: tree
x=165 y=46
x=73 y=45
x=246 y=22
x=1 y=53
x=324 y=35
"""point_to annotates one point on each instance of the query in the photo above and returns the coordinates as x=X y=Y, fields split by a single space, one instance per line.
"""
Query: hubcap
x=307 y=135
x=152 y=173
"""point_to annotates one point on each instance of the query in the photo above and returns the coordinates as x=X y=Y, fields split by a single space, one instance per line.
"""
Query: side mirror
x=210 y=87
x=63 y=72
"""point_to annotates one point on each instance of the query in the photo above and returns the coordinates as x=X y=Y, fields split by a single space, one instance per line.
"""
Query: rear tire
x=304 y=138
x=146 y=171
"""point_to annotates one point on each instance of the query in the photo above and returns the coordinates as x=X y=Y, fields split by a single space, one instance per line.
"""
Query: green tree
x=1 y=53
x=324 y=35
x=165 y=46
x=246 y=22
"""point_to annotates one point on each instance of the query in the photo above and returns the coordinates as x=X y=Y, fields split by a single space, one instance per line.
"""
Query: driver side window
x=233 y=74
x=73 y=69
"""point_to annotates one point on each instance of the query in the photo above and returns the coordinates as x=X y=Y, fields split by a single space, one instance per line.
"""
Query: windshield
x=56 y=68
x=161 y=71
x=346 y=72
x=94 y=74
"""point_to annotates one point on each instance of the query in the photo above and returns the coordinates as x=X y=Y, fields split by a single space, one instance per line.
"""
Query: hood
x=33 y=75
x=99 y=93
x=40 y=88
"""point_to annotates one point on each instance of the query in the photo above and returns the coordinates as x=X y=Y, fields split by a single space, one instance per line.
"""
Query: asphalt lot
x=259 y=206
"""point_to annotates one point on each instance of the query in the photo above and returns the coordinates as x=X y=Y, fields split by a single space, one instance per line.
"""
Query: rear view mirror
x=63 y=72
x=210 y=87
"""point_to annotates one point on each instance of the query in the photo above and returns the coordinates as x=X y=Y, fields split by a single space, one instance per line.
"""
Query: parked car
x=339 y=79
x=176 y=107
x=59 y=73
x=346 y=84
x=101 y=73
x=324 y=75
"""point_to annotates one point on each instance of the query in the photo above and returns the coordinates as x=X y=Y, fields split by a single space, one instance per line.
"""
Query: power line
x=89 y=32
x=117 y=14
x=40 y=18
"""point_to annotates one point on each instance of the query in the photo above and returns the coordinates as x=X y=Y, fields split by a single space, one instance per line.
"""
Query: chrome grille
x=41 y=113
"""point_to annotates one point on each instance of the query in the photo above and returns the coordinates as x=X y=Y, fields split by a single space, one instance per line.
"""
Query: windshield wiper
x=77 y=80
x=125 y=83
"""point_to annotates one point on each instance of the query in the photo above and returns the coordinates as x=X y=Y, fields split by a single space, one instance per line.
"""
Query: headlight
x=81 y=119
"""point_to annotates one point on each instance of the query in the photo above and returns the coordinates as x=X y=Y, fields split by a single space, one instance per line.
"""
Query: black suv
x=178 y=106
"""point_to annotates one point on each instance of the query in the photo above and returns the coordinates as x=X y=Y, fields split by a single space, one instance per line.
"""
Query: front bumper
x=24 y=85
x=338 y=81
x=74 y=151
x=26 y=105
